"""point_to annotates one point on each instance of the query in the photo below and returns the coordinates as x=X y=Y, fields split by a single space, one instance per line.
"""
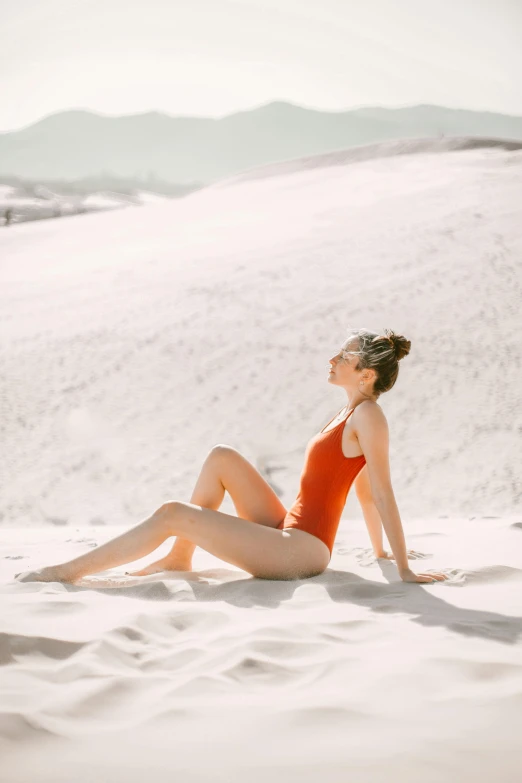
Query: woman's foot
x=165 y=564
x=50 y=574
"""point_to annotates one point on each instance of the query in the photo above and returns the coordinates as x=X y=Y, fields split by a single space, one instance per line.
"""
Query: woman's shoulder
x=369 y=414
x=371 y=429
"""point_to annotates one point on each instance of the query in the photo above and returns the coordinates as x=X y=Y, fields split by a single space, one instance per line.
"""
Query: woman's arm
x=371 y=429
x=371 y=514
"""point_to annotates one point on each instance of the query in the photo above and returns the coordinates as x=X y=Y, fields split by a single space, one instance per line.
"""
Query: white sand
x=136 y=340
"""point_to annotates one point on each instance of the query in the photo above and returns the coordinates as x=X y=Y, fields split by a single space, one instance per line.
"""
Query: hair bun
x=401 y=345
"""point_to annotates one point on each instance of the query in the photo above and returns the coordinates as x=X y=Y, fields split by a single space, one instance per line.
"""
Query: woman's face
x=342 y=365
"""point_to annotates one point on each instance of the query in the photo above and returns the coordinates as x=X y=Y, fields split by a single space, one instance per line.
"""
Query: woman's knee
x=222 y=452
x=168 y=513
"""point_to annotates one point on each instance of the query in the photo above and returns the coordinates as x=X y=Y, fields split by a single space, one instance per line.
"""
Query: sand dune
x=385 y=149
x=136 y=340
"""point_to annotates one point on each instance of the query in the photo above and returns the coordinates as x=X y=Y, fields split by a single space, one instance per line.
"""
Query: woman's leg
x=224 y=469
x=128 y=546
x=260 y=550
x=254 y=499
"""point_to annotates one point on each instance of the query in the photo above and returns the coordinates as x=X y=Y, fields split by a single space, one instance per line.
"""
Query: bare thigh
x=252 y=496
x=260 y=550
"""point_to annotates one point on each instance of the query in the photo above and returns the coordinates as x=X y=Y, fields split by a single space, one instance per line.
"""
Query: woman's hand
x=412 y=555
x=407 y=575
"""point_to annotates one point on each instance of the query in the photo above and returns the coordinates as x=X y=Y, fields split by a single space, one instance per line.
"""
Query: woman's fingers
x=438 y=577
x=409 y=576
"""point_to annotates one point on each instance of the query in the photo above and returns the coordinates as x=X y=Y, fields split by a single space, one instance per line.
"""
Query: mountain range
x=153 y=146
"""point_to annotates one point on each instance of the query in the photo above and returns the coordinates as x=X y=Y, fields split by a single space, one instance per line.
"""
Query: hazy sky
x=214 y=57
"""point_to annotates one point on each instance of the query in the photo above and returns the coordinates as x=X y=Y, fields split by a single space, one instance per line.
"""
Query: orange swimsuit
x=324 y=485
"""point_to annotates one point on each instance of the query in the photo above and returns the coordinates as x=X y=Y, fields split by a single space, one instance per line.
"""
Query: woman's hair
x=381 y=353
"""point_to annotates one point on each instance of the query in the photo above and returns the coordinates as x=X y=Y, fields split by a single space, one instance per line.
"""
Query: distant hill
x=73 y=145
x=384 y=149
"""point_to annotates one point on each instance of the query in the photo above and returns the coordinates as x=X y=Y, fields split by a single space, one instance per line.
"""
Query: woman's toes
x=49 y=574
x=153 y=568
x=32 y=576
x=141 y=572
x=160 y=566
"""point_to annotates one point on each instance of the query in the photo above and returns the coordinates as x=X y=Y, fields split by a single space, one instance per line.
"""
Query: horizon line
x=253 y=108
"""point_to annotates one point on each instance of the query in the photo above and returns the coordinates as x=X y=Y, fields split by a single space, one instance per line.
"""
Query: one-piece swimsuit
x=324 y=485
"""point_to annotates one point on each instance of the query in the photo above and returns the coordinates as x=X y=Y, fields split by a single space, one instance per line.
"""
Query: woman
x=282 y=545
